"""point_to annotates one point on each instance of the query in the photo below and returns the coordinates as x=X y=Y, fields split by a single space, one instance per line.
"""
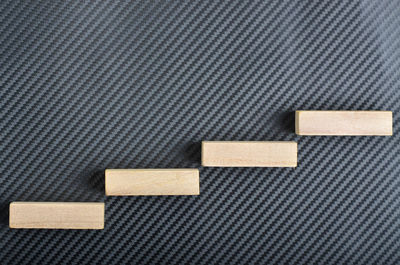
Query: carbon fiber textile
x=89 y=85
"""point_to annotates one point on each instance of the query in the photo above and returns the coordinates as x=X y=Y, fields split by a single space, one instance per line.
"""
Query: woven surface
x=89 y=85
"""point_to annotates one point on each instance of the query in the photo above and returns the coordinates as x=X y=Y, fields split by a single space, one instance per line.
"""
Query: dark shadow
x=287 y=120
x=192 y=152
x=4 y=213
x=97 y=180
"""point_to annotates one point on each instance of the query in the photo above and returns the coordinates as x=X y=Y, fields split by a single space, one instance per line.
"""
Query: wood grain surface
x=135 y=182
x=57 y=215
x=317 y=122
x=249 y=154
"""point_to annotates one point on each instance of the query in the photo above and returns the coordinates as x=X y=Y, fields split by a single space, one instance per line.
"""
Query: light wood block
x=249 y=154
x=57 y=215
x=318 y=122
x=136 y=182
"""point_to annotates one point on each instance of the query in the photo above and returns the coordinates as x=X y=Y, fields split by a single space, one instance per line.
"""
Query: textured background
x=89 y=85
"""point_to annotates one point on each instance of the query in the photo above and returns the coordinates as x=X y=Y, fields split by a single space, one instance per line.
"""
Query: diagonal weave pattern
x=89 y=85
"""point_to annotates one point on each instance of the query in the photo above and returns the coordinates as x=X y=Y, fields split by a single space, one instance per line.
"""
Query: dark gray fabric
x=89 y=85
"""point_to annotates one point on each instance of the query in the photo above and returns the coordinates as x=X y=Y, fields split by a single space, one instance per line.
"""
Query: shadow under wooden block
x=137 y=182
x=57 y=215
x=249 y=154
x=352 y=123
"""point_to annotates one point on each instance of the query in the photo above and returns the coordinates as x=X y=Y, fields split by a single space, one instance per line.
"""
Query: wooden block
x=135 y=182
x=249 y=154
x=57 y=215
x=318 y=122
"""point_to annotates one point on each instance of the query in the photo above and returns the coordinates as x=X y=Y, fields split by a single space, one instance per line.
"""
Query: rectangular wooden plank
x=136 y=182
x=57 y=215
x=249 y=154
x=319 y=122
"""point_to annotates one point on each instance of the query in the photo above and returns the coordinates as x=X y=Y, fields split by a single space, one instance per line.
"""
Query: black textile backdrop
x=89 y=85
